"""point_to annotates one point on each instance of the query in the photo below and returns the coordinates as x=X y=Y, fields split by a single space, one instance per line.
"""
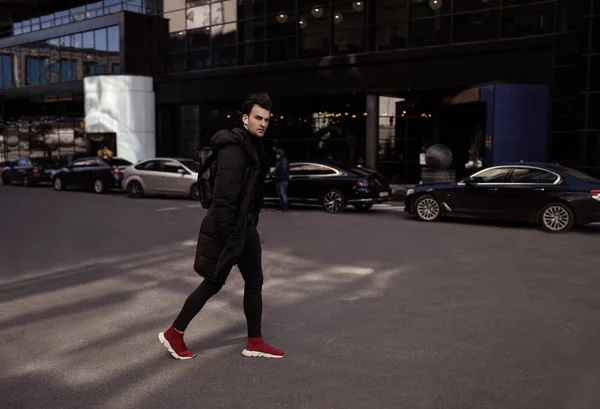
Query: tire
x=334 y=201
x=5 y=180
x=135 y=190
x=58 y=184
x=557 y=218
x=427 y=208
x=195 y=192
x=99 y=186
x=27 y=181
x=363 y=207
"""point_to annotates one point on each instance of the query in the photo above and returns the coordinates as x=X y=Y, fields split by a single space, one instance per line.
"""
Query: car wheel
x=58 y=184
x=334 y=201
x=135 y=190
x=26 y=181
x=427 y=208
x=195 y=192
x=99 y=186
x=557 y=218
x=5 y=180
x=363 y=207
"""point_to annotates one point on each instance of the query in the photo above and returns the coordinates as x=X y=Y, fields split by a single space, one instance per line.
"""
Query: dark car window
x=529 y=175
x=23 y=162
x=171 y=166
x=584 y=177
x=191 y=165
x=84 y=163
x=316 y=169
x=495 y=175
x=150 y=166
x=295 y=170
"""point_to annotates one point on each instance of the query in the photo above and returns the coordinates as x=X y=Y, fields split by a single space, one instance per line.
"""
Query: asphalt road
x=374 y=310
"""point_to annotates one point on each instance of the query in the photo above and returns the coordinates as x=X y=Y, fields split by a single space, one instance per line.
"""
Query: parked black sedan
x=29 y=171
x=554 y=196
x=332 y=185
x=101 y=174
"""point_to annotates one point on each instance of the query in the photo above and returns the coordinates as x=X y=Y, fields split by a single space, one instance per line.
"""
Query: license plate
x=384 y=194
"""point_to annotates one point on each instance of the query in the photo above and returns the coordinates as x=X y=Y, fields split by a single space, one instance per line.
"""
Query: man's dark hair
x=262 y=99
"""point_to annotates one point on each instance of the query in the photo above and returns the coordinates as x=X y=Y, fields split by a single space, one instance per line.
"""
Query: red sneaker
x=173 y=341
x=256 y=347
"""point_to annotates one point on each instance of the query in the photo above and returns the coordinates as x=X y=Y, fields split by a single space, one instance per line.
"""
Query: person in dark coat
x=282 y=177
x=228 y=234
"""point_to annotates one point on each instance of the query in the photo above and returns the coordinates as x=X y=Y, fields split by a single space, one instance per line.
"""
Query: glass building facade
x=52 y=122
x=224 y=33
x=81 y=13
x=61 y=59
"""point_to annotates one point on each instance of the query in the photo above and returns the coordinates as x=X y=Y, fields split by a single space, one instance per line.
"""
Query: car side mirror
x=181 y=171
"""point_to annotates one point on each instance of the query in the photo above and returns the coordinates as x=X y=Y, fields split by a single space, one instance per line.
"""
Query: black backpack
x=206 y=176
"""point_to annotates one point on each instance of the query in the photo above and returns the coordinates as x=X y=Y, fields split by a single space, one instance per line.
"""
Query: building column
x=372 y=131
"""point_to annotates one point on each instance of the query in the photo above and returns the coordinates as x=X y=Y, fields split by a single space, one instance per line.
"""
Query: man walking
x=282 y=177
x=228 y=234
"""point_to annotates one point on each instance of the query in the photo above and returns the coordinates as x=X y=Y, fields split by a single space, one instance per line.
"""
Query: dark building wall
x=524 y=60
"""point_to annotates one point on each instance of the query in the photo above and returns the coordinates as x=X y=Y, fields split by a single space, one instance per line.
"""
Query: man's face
x=257 y=121
x=278 y=156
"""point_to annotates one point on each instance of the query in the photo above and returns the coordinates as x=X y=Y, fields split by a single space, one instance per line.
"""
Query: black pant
x=250 y=265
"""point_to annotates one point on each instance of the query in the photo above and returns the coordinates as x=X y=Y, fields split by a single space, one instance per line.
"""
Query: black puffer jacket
x=237 y=194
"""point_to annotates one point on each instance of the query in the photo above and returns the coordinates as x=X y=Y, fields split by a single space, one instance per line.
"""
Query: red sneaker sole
x=258 y=354
x=163 y=340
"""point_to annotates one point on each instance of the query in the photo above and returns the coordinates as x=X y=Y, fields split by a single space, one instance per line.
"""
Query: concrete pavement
x=374 y=310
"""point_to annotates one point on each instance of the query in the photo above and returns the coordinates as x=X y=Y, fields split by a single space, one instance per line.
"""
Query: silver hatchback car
x=162 y=176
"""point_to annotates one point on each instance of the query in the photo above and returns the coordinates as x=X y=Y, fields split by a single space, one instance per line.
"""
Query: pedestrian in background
x=228 y=234
x=282 y=177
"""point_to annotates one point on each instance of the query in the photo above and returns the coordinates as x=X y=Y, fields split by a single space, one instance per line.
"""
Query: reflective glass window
x=95 y=9
x=47 y=21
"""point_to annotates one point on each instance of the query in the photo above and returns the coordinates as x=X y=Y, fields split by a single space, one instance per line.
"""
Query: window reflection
x=66 y=58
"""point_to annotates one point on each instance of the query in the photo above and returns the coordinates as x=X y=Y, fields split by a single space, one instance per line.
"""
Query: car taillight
x=36 y=170
x=362 y=182
x=595 y=194
x=116 y=171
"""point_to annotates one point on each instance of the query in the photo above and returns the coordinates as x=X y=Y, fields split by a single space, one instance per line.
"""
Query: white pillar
x=123 y=104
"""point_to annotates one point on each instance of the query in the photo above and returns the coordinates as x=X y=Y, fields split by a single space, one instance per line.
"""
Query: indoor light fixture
x=358 y=6
x=435 y=4
x=282 y=17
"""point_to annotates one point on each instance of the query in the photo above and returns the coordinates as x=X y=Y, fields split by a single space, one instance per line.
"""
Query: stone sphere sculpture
x=438 y=157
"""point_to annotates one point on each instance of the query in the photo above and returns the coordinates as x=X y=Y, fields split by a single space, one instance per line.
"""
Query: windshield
x=364 y=172
x=584 y=177
x=191 y=165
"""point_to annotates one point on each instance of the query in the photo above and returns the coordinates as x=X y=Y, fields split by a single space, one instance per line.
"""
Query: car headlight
x=410 y=192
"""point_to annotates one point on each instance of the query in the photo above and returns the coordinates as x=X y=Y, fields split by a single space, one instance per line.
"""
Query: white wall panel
x=123 y=104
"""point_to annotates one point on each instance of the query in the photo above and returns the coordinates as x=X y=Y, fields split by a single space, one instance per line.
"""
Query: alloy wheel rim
x=98 y=186
x=196 y=193
x=428 y=209
x=556 y=218
x=333 y=202
x=134 y=189
x=57 y=184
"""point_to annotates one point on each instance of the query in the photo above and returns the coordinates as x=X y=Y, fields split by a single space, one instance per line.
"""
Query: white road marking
x=167 y=209
x=193 y=206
